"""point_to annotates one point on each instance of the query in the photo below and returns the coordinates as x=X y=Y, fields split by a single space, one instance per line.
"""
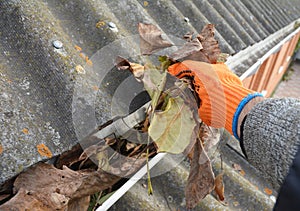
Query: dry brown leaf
x=89 y=152
x=210 y=45
x=126 y=166
x=24 y=200
x=69 y=157
x=187 y=49
x=110 y=141
x=201 y=178
x=79 y=204
x=210 y=139
x=145 y=125
x=188 y=36
x=136 y=69
x=44 y=187
x=204 y=48
x=151 y=39
x=122 y=63
x=130 y=146
x=189 y=150
x=137 y=148
x=219 y=186
x=198 y=56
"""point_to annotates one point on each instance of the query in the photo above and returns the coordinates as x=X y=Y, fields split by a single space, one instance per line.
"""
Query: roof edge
x=261 y=50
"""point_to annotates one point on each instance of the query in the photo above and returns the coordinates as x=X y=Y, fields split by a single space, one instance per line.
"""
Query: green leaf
x=172 y=129
x=165 y=62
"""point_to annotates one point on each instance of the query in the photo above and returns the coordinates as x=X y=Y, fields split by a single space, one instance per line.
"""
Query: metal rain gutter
x=131 y=182
x=253 y=69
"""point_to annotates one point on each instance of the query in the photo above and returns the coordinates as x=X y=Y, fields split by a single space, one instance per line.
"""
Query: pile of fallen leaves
x=172 y=125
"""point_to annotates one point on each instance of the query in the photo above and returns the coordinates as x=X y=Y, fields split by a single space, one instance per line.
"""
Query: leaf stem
x=150 y=189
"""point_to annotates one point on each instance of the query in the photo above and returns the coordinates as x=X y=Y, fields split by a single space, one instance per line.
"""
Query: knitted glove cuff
x=239 y=109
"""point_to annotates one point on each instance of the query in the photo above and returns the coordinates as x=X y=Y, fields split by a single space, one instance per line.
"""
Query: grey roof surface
x=38 y=80
x=242 y=191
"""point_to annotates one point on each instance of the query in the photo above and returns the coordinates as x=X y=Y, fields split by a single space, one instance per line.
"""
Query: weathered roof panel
x=250 y=18
x=242 y=21
x=198 y=20
x=259 y=13
x=231 y=21
x=37 y=79
x=221 y=25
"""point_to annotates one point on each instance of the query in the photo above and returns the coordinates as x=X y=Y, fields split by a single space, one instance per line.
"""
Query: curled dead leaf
x=219 y=186
x=44 y=187
x=69 y=157
x=188 y=36
x=126 y=166
x=204 y=48
x=201 y=178
x=198 y=56
x=187 y=49
x=136 y=69
x=210 y=137
x=122 y=63
x=79 y=204
x=25 y=200
x=151 y=39
x=210 y=45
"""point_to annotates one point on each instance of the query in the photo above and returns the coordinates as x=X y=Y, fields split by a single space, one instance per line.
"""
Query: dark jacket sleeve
x=288 y=198
x=271 y=139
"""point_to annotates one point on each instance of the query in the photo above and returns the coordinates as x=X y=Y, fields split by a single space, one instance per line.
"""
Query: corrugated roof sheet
x=244 y=190
x=37 y=80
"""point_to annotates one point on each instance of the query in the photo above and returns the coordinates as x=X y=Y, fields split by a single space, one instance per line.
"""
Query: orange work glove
x=222 y=93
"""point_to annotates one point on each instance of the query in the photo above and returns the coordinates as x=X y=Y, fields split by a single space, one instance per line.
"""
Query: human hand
x=222 y=93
